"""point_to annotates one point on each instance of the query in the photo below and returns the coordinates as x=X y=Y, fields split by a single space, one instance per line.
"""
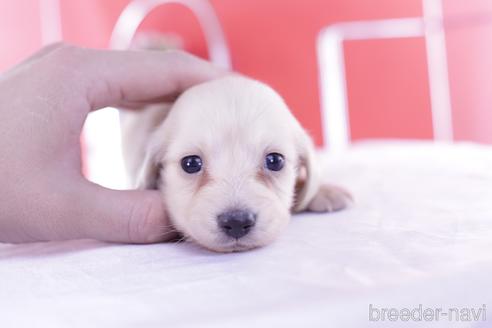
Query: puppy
x=231 y=162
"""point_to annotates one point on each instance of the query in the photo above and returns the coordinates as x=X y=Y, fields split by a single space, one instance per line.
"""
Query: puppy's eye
x=274 y=161
x=191 y=164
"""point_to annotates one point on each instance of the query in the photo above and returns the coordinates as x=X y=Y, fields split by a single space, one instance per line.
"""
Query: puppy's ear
x=148 y=176
x=312 y=194
x=307 y=181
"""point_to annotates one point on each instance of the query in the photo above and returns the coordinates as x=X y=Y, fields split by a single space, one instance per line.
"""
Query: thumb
x=130 y=216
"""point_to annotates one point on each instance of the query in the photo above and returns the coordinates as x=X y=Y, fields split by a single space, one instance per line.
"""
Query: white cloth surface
x=420 y=232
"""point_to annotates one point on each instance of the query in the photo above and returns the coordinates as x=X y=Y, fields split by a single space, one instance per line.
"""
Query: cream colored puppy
x=231 y=162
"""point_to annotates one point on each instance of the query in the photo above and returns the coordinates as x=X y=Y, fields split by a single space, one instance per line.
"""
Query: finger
x=44 y=51
x=122 y=216
x=117 y=77
x=141 y=104
x=39 y=54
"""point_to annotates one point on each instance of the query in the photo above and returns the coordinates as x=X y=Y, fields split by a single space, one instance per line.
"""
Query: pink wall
x=469 y=43
x=274 y=41
x=388 y=89
x=19 y=31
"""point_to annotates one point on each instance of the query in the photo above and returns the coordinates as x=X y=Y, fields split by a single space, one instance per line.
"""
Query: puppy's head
x=228 y=160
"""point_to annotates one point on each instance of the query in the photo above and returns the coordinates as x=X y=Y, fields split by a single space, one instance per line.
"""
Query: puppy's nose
x=236 y=223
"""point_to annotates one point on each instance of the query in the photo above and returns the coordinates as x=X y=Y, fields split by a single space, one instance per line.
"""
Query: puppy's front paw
x=330 y=198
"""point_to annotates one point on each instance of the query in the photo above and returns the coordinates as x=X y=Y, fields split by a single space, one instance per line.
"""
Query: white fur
x=232 y=124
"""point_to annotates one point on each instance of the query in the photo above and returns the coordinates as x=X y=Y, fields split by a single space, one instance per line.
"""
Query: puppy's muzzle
x=236 y=223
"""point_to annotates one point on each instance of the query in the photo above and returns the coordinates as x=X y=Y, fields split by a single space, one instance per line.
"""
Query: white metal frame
x=136 y=11
x=50 y=19
x=333 y=85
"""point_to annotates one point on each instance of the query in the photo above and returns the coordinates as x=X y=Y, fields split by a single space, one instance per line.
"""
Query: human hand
x=43 y=105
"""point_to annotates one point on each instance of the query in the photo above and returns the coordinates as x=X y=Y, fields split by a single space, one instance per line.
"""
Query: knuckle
x=69 y=64
x=69 y=57
x=179 y=56
x=65 y=51
x=70 y=49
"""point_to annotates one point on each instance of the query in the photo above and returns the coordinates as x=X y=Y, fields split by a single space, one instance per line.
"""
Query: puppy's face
x=226 y=160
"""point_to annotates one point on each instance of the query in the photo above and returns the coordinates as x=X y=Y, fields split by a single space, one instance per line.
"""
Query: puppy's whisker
x=166 y=228
x=167 y=225
x=167 y=233
x=182 y=239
